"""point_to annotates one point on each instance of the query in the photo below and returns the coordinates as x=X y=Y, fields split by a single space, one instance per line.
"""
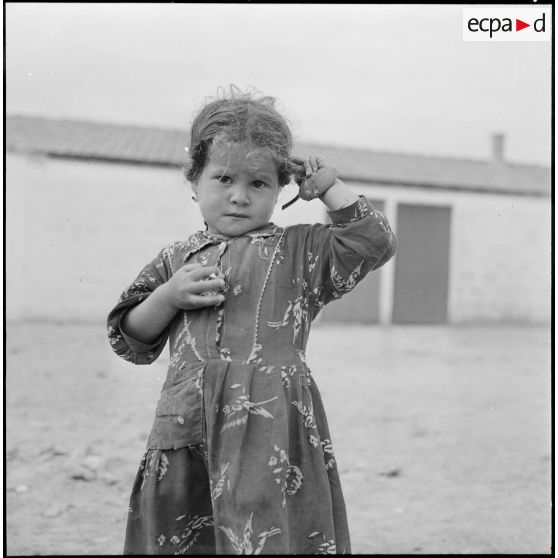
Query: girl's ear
x=195 y=192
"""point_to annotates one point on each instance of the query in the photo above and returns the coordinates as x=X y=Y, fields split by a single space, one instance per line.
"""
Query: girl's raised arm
x=359 y=239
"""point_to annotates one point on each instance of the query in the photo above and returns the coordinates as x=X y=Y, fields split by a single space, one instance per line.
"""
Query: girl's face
x=238 y=189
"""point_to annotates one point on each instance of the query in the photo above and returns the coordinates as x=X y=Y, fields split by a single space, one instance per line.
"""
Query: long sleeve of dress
x=150 y=277
x=340 y=255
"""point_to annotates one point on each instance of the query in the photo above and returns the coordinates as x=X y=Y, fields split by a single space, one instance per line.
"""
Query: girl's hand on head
x=318 y=179
x=195 y=286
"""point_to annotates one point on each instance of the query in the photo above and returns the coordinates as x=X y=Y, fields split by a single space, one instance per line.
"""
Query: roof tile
x=151 y=145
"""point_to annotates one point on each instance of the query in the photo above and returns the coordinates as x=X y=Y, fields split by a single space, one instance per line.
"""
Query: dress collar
x=269 y=229
x=200 y=239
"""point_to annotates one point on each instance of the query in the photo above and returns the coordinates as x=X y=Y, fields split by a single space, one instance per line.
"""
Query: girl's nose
x=239 y=195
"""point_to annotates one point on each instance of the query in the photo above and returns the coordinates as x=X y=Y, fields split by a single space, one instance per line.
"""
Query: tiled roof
x=94 y=140
x=158 y=146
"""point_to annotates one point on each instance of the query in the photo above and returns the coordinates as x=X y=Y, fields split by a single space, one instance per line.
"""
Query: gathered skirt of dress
x=264 y=480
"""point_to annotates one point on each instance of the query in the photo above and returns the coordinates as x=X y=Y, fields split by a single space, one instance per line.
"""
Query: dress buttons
x=180 y=420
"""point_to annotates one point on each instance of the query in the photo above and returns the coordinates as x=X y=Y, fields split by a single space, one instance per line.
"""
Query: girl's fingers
x=313 y=163
x=191 y=266
x=308 y=168
x=318 y=163
x=200 y=301
x=202 y=286
x=203 y=271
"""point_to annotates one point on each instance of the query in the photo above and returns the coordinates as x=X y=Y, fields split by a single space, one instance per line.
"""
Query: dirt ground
x=443 y=436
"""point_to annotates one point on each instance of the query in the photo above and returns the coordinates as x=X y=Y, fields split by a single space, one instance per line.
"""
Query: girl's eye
x=224 y=179
x=258 y=184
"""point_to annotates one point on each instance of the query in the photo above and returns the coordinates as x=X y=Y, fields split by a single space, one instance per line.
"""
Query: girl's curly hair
x=239 y=117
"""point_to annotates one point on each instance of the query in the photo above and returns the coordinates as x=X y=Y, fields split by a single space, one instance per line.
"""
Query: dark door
x=422 y=264
x=362 y=304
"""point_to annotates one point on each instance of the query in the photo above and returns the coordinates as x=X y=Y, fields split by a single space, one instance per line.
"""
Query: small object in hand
x=285 y=205
x=316 y=185
x=212 y=292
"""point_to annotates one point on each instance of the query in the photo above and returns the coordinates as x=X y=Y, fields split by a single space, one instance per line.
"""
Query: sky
x=384 y=77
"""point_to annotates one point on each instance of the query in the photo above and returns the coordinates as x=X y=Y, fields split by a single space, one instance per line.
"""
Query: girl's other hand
x=195 y=286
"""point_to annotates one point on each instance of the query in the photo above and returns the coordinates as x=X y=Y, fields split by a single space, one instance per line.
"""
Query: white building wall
x=78 y=232
x=501 y=269
x=500 y=252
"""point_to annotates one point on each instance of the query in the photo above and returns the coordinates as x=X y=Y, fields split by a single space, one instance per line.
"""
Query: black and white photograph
x=278 y=278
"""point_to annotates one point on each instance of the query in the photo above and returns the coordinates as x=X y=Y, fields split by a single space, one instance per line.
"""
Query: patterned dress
x=240 y=459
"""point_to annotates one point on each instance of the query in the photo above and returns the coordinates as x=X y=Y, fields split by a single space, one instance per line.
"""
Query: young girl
x=240 y=460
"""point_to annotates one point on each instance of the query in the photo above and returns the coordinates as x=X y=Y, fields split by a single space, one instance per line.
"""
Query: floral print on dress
x=294 y=479
x=222 y=481
x=191 y=532
x=287 y=372
x=345 y=285
x=184 y=339
x=255 y=355
x=309 y=422
x=113 y=336
x=138 y=288
x=288 y=476
x=297 y=313
x=153 y=463
x=307 y=414
x=265 y=243
x=244 y=543
x=314 y=440
x=163 y=466
x=266 y=369
x=324 y=546
x=279 y=257
x=145 y=467
x=189 y=339
x=225 y=353
x=302 y=356
x=312 y=261
x=329 y=458
x=243 y=405
x=361 y=210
